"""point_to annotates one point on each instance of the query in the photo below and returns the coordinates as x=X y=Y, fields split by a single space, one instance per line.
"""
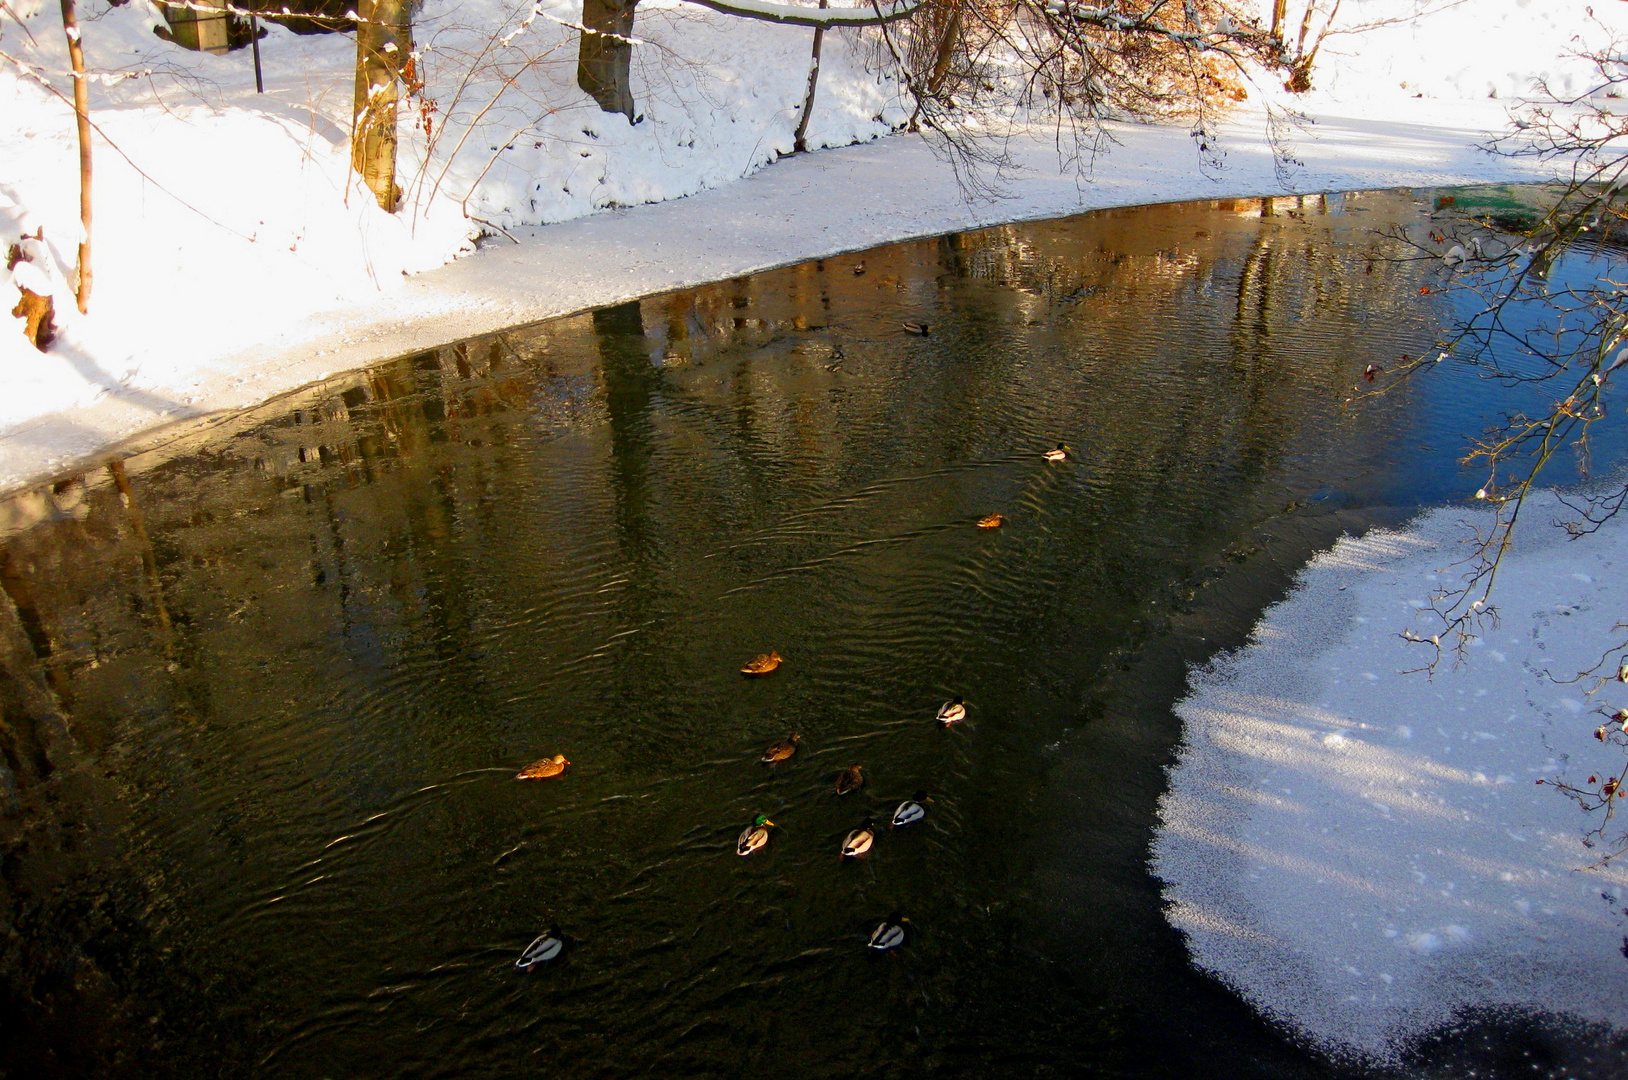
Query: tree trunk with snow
x=81 y=109
x=604 y=52
x=384 y=37
x=799 y=143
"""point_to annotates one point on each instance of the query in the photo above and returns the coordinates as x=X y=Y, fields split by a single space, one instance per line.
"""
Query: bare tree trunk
x=799 y=145
x=1279 y=11
x=949 y=35
x=1305 y=27
x=603 y=53
x=946 y=52
x=384 y=37
x=81 y=109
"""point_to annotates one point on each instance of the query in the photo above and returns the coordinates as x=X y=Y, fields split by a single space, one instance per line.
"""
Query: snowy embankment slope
x=1360 y=852
x=806 y=207
x=235 y=258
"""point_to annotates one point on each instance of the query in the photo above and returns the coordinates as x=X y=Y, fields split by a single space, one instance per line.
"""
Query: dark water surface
x=300 y=656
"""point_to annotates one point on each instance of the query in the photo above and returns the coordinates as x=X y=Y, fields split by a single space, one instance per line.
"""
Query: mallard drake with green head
x=754 y=836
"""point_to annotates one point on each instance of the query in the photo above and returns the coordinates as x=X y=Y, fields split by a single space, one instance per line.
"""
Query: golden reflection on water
x=294 y=659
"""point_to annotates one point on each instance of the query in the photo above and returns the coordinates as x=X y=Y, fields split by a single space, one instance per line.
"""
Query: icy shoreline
x=235 y=258
x=1360 y=852
x=806 y=207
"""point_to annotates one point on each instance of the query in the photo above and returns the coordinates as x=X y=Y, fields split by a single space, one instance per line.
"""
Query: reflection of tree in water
x=87 y=990
x=631 y=383
x=442 y=563
x=84 y=988
x=1163 y=392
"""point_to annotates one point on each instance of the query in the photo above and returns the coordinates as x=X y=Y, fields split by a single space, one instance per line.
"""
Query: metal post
x=254 y=41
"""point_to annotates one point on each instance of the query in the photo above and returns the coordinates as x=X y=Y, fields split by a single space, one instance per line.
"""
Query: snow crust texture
x=1360 y=851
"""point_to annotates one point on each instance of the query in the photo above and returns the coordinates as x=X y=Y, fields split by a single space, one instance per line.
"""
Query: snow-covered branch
x=1224 y=34
x=792 y=15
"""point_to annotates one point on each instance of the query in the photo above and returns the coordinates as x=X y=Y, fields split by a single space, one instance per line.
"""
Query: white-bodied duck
x=889 y=934
x=911 y=810
x=754 y=836
x=860 y=840
x=545 y=948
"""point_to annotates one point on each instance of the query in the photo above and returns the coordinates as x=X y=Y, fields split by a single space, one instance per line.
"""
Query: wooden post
x=210 y=22
x=198 y=25
x=81 y=109
x=383 y=39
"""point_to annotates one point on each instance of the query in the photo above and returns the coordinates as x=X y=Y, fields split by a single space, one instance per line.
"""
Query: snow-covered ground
x=236 y=258
x=1359 y=851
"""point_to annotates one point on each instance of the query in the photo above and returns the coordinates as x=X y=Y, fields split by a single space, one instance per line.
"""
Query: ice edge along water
x=1359 y=848
x=248 y=265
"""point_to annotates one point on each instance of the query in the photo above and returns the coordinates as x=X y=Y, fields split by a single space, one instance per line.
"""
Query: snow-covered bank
x=804 y=207
x=235 y=257
x=1361 y=852
x=221 y=214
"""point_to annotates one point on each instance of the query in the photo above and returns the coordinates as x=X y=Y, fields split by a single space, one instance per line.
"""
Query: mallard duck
x=761 y=665
x=889 y=934
x=860 y=840
x=545 y=948
x=781 y=750
x=912 y=809
x=993 y=521
x=542 y=770
x=952 y=711
x=1059 y=453
x=754 y=836
x=919 y=328
x=849 y=779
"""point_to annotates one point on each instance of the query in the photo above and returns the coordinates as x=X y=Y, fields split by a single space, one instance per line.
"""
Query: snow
x=1466 y=49
x=1360 y=848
